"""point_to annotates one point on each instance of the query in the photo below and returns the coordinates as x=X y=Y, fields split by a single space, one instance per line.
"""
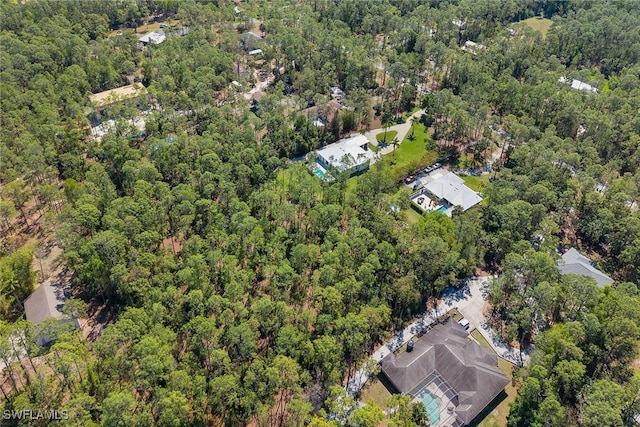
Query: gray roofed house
x=573 y=262
x=44 y=303
x=460 y=375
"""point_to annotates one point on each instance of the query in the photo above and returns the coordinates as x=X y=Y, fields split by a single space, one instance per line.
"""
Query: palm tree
x=412 y=120
x=386 y=121
x=395 y=143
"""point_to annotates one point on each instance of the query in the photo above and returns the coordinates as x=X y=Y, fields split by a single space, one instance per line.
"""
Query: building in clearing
x=154 y=37
x=472 y=47
x=573 y=262
x=44 y=303
x=351 y=154
x=453 y=377
x=578 y=85
x=444 y=191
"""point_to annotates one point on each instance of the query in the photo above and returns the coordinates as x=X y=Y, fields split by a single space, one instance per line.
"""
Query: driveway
x=402 y=129
x=470 y=302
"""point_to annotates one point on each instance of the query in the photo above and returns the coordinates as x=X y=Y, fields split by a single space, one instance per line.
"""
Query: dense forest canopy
x=235 y=287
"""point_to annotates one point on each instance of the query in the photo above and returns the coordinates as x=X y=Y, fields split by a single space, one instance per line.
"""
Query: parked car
x=464 y=323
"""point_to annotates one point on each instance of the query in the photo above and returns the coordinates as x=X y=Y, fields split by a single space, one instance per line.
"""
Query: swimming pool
x=319 y=173
x=441 y=208
x=432 y=405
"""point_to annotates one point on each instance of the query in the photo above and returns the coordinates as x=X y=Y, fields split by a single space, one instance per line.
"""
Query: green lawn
x=352 y=184
x=480 y=338
x=144 y=28
x=407 y=114
x=390 y=135
x=374 y=390
x=476 y=183
x=538 y=24
x=457 y=316
x=411 y=154
x=411 y=216
x=373 y=148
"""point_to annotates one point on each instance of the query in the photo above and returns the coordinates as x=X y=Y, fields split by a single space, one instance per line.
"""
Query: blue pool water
x=432 y=405
x=318 y=173
x=442 y=209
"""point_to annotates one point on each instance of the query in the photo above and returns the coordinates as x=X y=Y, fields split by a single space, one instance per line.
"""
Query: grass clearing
x=411 y=216
x=145 y=28
x=373 y=148
x=389 y=136
x=374 y=390
x=476 y=183
x=457 y=316
x=411 y=154
x=481 y=339
x=537 y=24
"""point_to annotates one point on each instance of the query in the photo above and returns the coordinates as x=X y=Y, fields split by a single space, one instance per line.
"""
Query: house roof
x=573 y=262
x=44 y=302
x=154 y=37
x=252 y=34
x=468 y=371
x=347 y=152
x=577 y=84
x=451 y=187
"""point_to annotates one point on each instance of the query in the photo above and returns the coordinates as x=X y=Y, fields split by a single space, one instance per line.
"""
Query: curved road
x=402 y=129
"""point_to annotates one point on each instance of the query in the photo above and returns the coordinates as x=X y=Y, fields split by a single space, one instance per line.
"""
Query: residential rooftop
x=573 y=262
x=462 y=374
x=348 y=153
x=449 y=187
x=154 y=37
x=44 y=303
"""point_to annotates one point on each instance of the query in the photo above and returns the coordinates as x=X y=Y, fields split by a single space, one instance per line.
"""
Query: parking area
x=421 y=177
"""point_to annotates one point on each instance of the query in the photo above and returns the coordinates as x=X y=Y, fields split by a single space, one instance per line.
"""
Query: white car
x=464 y=323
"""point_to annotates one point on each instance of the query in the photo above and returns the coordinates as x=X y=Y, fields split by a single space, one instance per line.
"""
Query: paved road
x=402 y=129
x=470 y=302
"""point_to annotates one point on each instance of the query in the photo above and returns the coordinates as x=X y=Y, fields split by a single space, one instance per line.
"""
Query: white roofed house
x=154 y=37
x=444 y=191
x=351 y=155
x=578 y=85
